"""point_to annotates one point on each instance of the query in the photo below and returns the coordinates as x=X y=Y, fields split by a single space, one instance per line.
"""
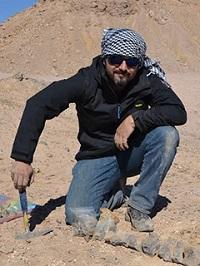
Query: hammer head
x=31 y=234
x=28 y=234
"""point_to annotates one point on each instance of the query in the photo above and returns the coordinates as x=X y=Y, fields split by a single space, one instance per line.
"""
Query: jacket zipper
x=118 y=111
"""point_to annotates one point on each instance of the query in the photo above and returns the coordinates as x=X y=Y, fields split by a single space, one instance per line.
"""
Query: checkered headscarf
x=128 y=43
x=124 y=42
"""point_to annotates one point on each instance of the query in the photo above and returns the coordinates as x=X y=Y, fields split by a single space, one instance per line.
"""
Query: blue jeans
x=95 y=182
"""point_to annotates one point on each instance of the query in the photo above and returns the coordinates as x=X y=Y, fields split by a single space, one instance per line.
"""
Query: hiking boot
x=139 y=220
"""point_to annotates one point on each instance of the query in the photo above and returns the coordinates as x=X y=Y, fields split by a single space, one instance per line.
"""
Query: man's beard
x=120 y=82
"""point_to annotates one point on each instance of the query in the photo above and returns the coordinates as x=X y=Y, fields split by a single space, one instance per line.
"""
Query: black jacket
x=100 y=110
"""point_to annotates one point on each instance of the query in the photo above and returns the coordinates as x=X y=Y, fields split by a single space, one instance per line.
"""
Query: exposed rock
x=166 y=250
x=191 y=256
x=84 y=222
x=151 y=245
x=178 y=252
x=169 y=250
x=132 y=242
x=116 y=239
x=107 y=222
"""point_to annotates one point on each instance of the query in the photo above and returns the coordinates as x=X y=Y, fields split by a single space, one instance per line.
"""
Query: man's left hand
x=123 y=132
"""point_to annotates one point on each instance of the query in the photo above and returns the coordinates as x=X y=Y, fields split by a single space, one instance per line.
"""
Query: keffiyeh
x=123 y=42
x=129 y=43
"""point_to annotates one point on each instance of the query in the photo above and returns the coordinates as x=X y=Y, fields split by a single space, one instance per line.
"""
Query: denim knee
x=74 y=211
x=69 y=216
x=84 y=214
x=167 y=135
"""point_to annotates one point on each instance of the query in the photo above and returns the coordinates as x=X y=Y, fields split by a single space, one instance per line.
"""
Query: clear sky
x=11 y=7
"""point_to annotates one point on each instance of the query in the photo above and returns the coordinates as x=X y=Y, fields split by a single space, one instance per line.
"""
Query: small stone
x=19 y=76
x=151 y=13
x=37 y=171
x=43 y=142
x=146 y=2
x=58 y=221
x=6 y=249
x=67 y=148
x=102 y=7
x=94 y=4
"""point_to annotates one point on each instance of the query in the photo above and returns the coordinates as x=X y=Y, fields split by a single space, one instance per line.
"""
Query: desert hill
x=55 y=37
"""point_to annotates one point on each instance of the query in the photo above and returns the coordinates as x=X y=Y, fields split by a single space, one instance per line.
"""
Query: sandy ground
x=53 y=39
x=179 y=213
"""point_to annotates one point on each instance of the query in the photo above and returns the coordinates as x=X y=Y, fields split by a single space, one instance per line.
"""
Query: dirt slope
x=54 y=158
x=52 y=40
x=57 y=37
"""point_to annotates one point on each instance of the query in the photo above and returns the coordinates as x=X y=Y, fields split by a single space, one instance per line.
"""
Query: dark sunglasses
x=118 y=59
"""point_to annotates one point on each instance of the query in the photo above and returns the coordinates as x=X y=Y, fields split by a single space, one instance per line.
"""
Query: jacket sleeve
x=46 y=104
x=165 y=108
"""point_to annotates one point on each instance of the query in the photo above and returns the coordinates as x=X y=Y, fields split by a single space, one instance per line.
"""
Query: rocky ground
x=52 y=40
x=177 y=214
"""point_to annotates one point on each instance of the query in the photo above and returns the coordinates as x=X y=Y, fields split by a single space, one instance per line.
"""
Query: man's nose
x=123 y=66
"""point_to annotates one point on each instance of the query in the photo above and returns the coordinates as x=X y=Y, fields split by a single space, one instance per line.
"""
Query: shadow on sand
x=40 y=213
x=161 y=202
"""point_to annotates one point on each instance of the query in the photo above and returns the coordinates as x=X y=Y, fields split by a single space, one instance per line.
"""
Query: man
x=127 y=114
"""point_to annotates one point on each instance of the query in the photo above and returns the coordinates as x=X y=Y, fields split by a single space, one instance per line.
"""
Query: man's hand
x=123 y=132
x=22 y=175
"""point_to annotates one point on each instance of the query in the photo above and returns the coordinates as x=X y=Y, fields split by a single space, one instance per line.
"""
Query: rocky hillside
x=55 y=37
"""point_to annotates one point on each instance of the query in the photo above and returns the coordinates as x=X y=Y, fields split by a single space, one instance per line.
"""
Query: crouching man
x=127 y=116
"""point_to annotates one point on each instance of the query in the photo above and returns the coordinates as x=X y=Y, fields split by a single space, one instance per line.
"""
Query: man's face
x=121 y=70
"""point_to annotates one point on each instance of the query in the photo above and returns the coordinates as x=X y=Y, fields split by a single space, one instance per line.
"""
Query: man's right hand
x=22 y=175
